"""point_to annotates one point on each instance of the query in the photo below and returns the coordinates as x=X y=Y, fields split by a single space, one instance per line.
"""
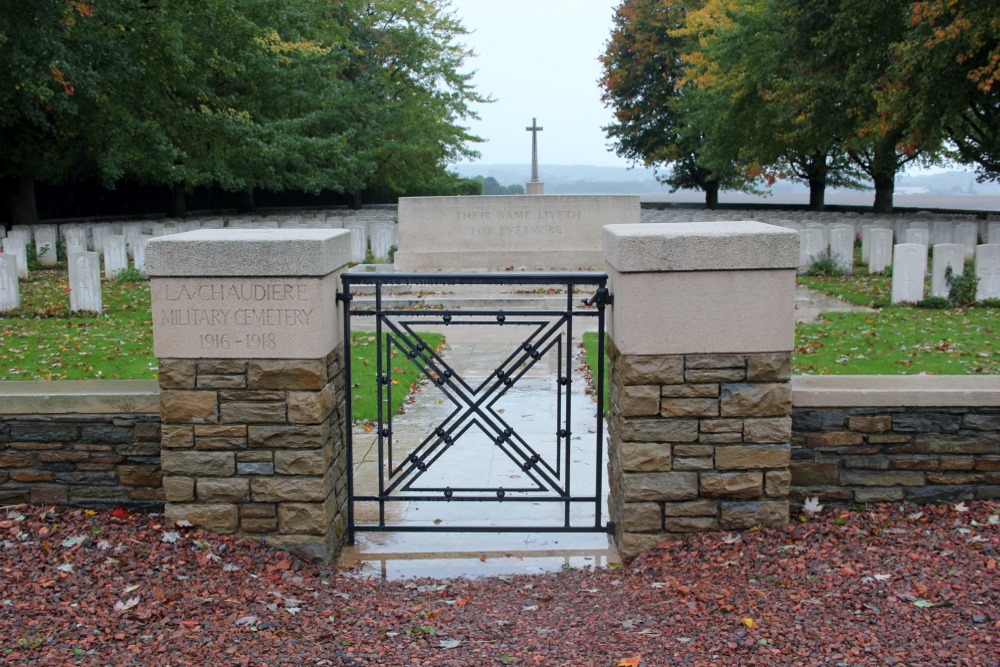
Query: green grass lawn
x=45 y=340
x=900 y=340
x=862 y=289
x=405 y=375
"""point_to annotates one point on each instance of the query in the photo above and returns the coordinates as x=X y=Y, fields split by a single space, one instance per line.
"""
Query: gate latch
x=602 y=297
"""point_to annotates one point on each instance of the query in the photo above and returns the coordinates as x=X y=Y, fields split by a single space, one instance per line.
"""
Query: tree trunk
x=356 y=200
x=711 y=189
x=817 y=194
x=884 y=174
x=23 y=209
x=178 y=204
x=245 y=203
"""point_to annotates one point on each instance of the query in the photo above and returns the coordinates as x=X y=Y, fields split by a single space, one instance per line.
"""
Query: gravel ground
x=887 y=585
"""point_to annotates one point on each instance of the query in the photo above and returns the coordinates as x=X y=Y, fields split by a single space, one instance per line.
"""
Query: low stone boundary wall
x=854 y=439
x=886 y=438
x=83 y=443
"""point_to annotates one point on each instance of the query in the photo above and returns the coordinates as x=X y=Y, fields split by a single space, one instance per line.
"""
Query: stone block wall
x=88 y=460
x=257 y=448
x=697 y=442
x=874 y=454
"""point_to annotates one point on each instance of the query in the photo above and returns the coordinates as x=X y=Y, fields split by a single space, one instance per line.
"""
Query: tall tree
x=644 y=83
x=42 y=81
x=760 y=95
x=948 y=66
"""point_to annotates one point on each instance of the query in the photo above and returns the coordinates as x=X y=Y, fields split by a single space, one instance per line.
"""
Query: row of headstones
x=837 y=242
x=376 y=230
x=84 y=272
x=942 y=226
x=909 y=270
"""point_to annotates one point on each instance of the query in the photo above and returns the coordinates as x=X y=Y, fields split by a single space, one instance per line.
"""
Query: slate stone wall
x=887 y=454
x=88 y=460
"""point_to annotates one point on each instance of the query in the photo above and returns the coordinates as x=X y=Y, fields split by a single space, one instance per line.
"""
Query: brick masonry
x=697 y=442
x=88 y=460
x=257 y=448
x=865 y=455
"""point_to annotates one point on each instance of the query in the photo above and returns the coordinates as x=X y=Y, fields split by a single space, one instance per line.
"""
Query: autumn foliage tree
x=829 y=92
x=644 y=83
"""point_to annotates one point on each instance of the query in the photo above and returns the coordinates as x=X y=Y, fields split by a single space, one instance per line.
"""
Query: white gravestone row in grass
x=917 y=235
x=967 y=236
x=76 y=240
x=908 y=269
x=15 y=246
x=45 y=244
x=988 y=271
x=9 y=297
x=139 y=252
x=85 y=281
x=382 y=238
x=945 y=255
x=842 y=248
x=359 y=240
x=98 y=233
x=880 y=251
x=115 y=256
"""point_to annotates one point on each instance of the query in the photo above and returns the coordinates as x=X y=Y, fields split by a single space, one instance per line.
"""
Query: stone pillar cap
x=249 y=252
x=700 y=246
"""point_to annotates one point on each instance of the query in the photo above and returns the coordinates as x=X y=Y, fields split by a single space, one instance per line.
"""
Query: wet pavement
x=530 y=407
x=809 y=304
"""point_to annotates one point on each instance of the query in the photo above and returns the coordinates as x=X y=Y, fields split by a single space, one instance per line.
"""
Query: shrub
x=130 y=275
x=934 y=303
x=961 y=288
x=825 y=265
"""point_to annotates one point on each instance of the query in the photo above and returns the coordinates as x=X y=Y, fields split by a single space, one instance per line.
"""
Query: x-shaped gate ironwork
x=474 y=405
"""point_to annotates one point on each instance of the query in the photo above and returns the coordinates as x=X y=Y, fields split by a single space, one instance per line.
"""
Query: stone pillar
x=700 y=339
x=248 y=333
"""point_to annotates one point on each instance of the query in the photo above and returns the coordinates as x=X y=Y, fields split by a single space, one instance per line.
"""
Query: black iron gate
x=540 y=463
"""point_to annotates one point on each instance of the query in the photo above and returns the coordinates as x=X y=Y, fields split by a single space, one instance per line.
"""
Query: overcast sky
x=538 y=58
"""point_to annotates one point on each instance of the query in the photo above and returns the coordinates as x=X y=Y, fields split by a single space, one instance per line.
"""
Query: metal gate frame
x=469 y=400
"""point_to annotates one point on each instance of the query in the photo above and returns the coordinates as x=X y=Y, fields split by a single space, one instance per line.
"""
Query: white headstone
x=139 y=259
x=98 y=233
x=945 y=255
x=810 y=246
x=9 y=297
x=85 y=281
x=823 y=229
x=45 y=244
x=917 y=235
x=359 y=240
x=14 y=245
x=908 y=268
x=967 y=236
x=880 y=251
x=382 y=238
x=115 y=256
x=76 y=240
x=993 y=233
x=988 y=271
x=942 y=232
x=866 y=231
x=842 y=247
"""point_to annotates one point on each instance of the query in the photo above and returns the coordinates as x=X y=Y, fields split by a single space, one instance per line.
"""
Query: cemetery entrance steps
x=474 y=353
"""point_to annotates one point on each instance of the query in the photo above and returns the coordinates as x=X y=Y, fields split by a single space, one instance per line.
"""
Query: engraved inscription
x=515 y=216
x=233 y=316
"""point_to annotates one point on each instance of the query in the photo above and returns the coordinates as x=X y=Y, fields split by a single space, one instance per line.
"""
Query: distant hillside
x=584 y=179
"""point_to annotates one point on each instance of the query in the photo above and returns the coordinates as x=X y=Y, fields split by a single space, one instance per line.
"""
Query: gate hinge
x=602 y=297
x=343 y=297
